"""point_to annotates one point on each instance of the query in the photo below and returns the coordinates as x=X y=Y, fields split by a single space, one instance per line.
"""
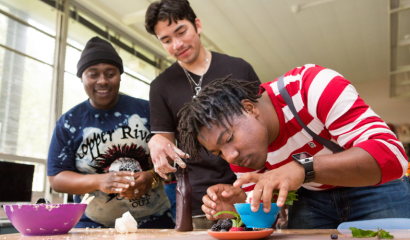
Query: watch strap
x=307 y=164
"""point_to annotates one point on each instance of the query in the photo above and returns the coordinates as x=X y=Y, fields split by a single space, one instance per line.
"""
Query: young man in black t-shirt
x=175 y=24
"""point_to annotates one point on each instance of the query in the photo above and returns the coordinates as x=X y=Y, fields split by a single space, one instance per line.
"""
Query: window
x=138 y=73
x=400 y=48
x=26 y=70
x=28 y=33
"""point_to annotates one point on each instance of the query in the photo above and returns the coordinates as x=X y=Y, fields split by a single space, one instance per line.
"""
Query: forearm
x=74 y=183
x=351 y=168
x=171 y=138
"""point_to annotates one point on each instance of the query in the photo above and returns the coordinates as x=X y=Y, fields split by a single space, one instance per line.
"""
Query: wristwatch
x=307 y=164
x=155 y=179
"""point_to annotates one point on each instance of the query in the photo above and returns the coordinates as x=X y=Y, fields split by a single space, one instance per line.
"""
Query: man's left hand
x=288 y=177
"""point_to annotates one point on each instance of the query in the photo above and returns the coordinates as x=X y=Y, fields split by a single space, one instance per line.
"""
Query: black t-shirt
x=168 y=94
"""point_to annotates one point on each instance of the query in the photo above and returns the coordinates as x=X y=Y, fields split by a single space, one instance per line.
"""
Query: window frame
x=64 y=13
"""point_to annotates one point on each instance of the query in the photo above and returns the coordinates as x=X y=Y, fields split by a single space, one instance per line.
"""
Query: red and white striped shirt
x=330 y=106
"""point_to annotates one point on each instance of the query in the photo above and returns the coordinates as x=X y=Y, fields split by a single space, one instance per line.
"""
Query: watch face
x=300 y=156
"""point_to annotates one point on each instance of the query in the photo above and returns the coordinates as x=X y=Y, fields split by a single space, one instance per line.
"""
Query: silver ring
x=260 y=190
x=136 y=191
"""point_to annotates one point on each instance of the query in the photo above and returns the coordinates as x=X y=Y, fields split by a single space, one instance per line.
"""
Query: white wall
x=376 y=95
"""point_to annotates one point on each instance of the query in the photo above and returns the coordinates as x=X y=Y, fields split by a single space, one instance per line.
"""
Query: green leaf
x=292 y=196
x=360 y=233
x=355 y=232
x=229 y=212
x=384 y=235
x=235 y=222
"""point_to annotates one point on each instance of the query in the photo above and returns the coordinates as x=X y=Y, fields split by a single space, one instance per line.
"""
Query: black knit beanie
x=98 y=51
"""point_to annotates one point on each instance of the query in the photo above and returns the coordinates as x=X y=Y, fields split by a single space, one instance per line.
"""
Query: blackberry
x=247 y=229
x=226 y=224
x=334 y=236
x=216 y=227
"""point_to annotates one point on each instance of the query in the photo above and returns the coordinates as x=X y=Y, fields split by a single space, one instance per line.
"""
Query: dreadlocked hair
x=217 y=103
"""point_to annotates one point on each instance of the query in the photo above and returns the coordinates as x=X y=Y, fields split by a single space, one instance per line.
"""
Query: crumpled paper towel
x=126 y=223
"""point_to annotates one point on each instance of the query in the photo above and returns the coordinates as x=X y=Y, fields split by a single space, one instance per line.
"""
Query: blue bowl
x=258 y=219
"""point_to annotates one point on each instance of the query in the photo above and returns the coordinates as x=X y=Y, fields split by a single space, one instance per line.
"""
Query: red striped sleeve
x=390 y=167
x=354 y=124
x=329 y=96
x=357 y=109
x=351 y=142
x=308 y=77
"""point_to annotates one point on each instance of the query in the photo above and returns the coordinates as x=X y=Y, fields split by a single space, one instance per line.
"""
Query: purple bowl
x=44 y=219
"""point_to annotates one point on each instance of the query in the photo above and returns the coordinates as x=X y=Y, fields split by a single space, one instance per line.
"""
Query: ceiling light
x=298 y=7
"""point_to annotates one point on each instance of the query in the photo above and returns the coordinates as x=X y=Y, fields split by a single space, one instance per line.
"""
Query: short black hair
x=216 y=103
x=171 y=10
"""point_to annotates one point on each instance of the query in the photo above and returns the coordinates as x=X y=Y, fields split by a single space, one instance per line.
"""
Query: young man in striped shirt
x=258 y=134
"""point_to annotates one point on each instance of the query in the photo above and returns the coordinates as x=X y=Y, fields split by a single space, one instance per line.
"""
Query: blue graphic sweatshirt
x=88 y=140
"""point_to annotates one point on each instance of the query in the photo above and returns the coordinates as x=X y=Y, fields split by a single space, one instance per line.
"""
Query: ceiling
x=274 y=36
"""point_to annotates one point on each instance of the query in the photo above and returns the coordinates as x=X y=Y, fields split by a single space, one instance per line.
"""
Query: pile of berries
x=226 y=225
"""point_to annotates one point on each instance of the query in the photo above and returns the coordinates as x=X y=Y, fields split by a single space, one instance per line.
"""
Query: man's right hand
x=222 y=197
x=79 y=184
x=161 y=149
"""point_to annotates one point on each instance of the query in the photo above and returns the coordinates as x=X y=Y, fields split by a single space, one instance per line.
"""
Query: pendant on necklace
x=197 y=89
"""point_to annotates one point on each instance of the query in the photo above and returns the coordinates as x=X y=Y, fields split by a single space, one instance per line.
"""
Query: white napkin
x=126 y=223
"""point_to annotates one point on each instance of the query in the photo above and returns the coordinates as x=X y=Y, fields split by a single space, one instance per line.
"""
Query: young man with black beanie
x=100 y=147
x=178 y=29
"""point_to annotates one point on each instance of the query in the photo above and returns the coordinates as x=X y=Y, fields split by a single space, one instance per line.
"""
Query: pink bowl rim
x=15 y=212
x=53 y=204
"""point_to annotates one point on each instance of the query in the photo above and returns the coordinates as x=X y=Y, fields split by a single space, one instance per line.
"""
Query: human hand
x=221 y=197
x=288 y=177
x=161 y=150
x=142 y=184
x=115 y=182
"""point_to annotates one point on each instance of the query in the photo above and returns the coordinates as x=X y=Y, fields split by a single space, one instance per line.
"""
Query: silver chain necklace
x=197 y=86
